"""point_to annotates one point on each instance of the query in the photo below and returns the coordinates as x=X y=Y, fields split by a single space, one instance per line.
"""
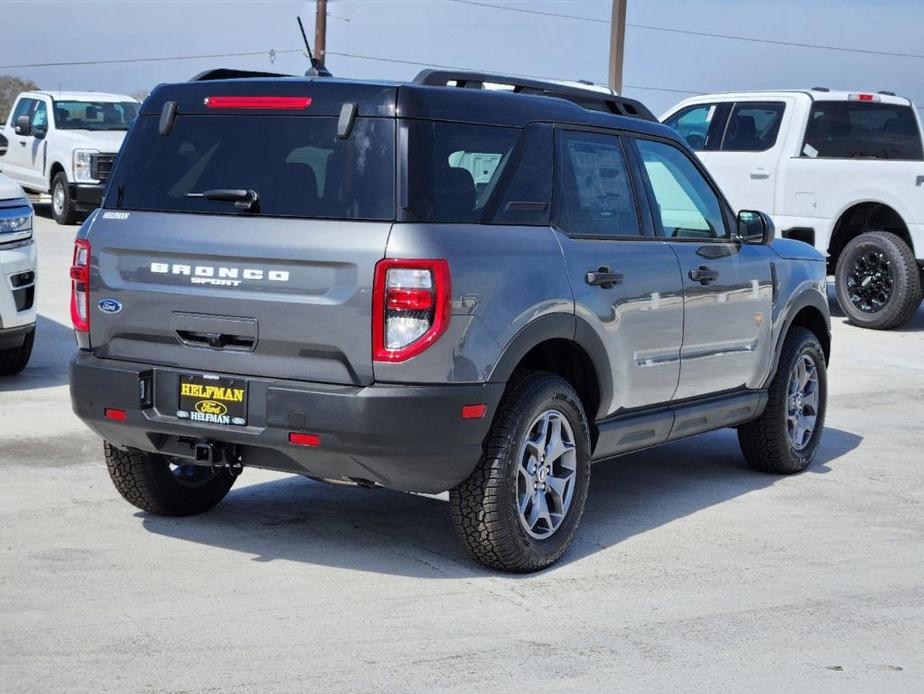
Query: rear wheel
x=521 y=507
x=62 y=207
x=163 y=485
x=785 y=437
x=878 y=281
x=14 y=359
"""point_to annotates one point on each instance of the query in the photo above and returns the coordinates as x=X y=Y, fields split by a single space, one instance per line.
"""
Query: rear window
x=753 y=126
x=296 y=164
x=857 y=129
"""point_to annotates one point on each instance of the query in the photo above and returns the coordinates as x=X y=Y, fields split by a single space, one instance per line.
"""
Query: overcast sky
x=461 y=34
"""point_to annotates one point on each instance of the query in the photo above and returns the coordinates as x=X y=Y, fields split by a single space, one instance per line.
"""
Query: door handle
x=760 y=172
x=703 y=274
x=603 y=277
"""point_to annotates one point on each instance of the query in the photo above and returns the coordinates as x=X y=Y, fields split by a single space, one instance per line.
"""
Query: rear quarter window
x=862 y=130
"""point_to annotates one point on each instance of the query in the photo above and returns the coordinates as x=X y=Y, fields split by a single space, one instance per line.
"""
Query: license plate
x=213 y=400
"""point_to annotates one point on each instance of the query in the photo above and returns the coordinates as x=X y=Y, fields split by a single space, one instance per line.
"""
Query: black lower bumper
x=405 y=437
x=11 y=338
x=86 y=196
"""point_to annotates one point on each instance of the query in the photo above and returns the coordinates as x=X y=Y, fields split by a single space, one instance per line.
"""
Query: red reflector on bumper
x=117 y=415
x=304 y=439
x=474 y=411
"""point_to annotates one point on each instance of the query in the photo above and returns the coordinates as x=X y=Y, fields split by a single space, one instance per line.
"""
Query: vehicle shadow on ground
x=296 y=519
x=48 y=366
x=916 y=324
x=43 y=209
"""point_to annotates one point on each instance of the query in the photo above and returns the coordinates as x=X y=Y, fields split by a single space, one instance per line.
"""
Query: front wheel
x=521 y=507
x=62 y=206
x=163 y=485
x=14 y=359
x=878 y=281
x=785 y=437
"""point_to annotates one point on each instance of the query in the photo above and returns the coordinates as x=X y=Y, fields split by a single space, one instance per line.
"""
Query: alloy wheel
x=547 y=465
x=802 y=402
x=870 y=282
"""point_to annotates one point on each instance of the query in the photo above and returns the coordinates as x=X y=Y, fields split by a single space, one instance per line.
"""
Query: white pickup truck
x=17 y=279
x=843 y=171
x=64 y=143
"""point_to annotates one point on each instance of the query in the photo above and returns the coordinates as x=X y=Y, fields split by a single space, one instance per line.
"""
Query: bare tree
x=10 y=88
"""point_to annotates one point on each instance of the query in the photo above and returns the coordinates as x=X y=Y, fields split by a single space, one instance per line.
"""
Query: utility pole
x=617 y=43
x=320 y=31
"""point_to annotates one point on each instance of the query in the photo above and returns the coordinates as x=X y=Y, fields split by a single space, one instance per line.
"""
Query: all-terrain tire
x=484 y=507
x=62 y=206
x=14 y=360
x=766 y=442
x=905 y=279
x=146 y=481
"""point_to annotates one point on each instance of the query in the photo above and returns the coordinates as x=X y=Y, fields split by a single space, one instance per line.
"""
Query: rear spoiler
x=587 y=98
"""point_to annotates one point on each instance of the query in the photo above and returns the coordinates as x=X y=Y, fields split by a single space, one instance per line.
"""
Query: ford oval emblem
x=110 y=306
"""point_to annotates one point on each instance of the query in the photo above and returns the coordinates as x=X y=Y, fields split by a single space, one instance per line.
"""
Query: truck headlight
x=15 y=224
x=82 y=166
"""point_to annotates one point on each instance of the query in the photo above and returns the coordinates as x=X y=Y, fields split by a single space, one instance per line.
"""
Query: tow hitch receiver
x=219 y=455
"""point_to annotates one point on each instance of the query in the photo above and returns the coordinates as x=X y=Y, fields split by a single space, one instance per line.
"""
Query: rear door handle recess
x=603 y=277
x=704 y=275
x=760 y=172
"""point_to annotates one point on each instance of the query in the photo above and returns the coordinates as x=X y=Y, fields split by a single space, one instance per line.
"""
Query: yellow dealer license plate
x=213 y=400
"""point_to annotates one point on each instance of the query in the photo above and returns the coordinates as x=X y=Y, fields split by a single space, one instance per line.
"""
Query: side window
x=753 y=126
x=594 y=191
x=688 y=206
x=40 y=116
x=700 y=126
x=23 y=108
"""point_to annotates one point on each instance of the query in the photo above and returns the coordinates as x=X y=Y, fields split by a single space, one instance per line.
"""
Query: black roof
x=407 y=100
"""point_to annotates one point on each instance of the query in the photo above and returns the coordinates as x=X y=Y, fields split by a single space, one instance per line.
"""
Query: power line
x=75 y=63
x=525 y=11
x=357 y=56
x=690 y=32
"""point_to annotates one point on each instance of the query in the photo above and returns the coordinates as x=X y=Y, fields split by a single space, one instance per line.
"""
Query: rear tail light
x=410 y=300
x=80 y=286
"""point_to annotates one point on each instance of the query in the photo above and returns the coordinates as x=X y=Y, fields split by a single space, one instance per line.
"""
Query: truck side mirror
x=23 y=126
x=755 y=228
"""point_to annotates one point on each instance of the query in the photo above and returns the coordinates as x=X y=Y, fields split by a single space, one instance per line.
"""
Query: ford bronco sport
x=431 y=286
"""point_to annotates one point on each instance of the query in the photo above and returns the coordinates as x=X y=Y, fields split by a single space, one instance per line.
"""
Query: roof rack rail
x=883 y=91
x=225 y=73
x=820 y=89
x=587 y=98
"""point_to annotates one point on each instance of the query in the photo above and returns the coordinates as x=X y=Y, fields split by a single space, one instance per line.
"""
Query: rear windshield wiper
x=245 y=199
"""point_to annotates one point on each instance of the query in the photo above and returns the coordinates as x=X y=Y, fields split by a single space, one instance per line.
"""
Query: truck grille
x=101 y=166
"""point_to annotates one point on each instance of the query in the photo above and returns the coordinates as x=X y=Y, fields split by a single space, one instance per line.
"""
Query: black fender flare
x=808 y=298
x=563 y=326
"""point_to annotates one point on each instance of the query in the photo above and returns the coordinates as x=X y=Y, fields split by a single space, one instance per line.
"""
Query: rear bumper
x=86 y=196
x=405 y=437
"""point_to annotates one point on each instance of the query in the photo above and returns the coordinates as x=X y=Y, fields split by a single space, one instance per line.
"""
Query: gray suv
x=430 y=286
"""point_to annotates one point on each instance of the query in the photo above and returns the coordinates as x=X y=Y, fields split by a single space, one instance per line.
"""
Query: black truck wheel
x=521 y=507
x=14 y=359
x=165 y=486
x=878 y=281
x=62 y=207
x=785 y=437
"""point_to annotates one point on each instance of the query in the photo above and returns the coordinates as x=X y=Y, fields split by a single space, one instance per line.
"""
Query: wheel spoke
x=558 y=486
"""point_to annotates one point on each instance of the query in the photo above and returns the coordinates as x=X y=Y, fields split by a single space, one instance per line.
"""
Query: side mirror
x=755 y=228
x=39 y=131
x=23 y=126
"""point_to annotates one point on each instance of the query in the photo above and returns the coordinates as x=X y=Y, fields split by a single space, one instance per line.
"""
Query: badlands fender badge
x=109 y=306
